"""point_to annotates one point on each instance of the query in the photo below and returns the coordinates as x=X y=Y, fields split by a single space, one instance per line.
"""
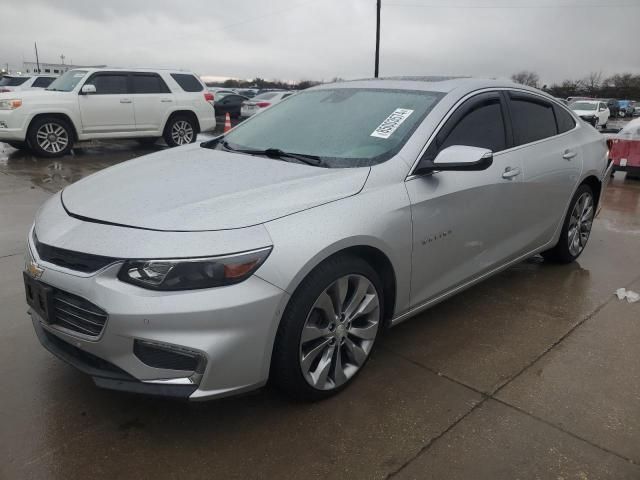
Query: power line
x=510 y=7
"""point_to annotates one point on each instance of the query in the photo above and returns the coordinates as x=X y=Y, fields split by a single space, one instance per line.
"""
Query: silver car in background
x=283 y=249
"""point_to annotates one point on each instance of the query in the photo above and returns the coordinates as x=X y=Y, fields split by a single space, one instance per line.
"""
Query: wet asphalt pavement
x=534 y=373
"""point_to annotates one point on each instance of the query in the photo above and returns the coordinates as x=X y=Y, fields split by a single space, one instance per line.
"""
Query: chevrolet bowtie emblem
x=34 y=270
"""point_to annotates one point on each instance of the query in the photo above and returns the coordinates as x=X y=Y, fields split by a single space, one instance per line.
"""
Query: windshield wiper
x=276 y=153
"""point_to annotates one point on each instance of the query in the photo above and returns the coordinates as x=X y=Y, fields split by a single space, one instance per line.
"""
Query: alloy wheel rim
x=52 y=137
x=339 y=332
x=182 y=132
x=580 y=224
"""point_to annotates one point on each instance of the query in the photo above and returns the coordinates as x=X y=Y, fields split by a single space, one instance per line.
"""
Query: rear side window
x=42 y=82
x=564 y=119
x=532 y=118
x=149 y=83
x=187 y=82
x=109 y=83
x=482 y=126
x=12 y=81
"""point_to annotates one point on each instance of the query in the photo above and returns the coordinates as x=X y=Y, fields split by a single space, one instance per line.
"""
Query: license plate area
x=39 y=296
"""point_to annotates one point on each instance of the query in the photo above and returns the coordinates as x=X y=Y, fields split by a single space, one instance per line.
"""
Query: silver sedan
x=282 y=249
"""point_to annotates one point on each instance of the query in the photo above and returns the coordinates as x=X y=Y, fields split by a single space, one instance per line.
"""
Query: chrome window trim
x=470 y=95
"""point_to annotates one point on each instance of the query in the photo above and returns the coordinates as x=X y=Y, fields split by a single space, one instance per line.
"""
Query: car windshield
x=583 y=106
x=12 y=81
x=68 y=81
x=344 y=127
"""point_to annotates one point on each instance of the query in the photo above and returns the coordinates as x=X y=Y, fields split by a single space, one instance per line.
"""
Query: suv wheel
x=50 y=137
x=180 y=130
x=328 y=329
x=576 y=228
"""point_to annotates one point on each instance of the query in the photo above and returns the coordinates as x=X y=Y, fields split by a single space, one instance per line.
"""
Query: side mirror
x=86 y=89
x=457 y=158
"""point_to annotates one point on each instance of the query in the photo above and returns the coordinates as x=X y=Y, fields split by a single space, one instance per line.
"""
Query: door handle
x=166 y=100
x=125 y=100
x=568 y=154
x=509 y=172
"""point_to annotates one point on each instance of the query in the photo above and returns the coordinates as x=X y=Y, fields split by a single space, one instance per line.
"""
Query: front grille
x=81 y=262
x=77 y=314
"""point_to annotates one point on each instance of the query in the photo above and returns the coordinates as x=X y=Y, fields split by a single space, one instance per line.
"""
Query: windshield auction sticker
x=391 y=123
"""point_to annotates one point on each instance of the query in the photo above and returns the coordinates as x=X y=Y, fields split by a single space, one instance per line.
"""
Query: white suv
x=91 y=103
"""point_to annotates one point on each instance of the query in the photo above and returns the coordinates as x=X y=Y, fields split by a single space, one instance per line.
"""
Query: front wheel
x=328 y=329
x=180 y=130
x=50 y=137
x=576 y=228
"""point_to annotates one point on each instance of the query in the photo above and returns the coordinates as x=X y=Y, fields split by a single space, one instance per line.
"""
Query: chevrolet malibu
x=281 y=250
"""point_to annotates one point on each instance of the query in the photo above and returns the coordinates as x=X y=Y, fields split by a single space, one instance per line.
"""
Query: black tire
x=286 y=372
x=560 y=253
x=147 y=140
x=19 y=145
x=60 y=127
x=187 y=130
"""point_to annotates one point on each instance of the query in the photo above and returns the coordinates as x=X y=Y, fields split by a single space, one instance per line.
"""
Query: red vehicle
x=624 y=149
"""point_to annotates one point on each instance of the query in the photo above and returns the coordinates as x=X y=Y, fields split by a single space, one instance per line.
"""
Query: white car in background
x=262 y=102
x=16 y=83
x=594 y=112
x=97 y=103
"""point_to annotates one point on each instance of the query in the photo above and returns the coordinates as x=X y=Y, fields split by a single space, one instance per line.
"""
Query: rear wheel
x=180 y=130
x=328 y=329
x=576 y=228
x=50 y=137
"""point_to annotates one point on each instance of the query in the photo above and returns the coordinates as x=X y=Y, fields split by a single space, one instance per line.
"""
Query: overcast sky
x=322 y=39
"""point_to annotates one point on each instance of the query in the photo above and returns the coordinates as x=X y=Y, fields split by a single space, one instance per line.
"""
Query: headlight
x=10 y=104
x=192 y=273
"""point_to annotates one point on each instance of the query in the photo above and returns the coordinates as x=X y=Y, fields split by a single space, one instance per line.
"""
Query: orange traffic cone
x=227 y=122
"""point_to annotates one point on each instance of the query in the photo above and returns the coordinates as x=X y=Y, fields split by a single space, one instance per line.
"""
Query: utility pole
x=37 y=60
x=377 y=38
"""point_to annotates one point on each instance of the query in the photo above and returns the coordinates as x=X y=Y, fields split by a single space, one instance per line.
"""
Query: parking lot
x=531 y=374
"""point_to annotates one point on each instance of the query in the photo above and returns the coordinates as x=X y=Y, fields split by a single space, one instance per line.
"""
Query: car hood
x=195 y=189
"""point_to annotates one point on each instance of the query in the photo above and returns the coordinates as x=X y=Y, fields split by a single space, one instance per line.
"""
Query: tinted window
x=564 y=119
x=12 y=81
x=109 y=83
x=532 y=119
x=187 y=82
x=149 y=83
x=42 y=82
x=482 y=126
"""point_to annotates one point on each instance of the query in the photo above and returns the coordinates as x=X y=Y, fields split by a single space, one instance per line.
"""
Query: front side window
x=532 y=118
x=42 y=82
x=109 y=83
x=482 y=126
x=345 y=127
x=149 y=83
x=68 y=81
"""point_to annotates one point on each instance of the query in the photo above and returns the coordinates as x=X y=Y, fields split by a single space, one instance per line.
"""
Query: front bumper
x=232 y=328
x=12 y=125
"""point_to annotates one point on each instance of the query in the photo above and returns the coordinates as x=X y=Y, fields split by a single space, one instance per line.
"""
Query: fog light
x=169 y=357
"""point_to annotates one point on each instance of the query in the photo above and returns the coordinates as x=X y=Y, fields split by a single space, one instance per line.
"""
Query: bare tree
x=525 y=77
x=592 y=82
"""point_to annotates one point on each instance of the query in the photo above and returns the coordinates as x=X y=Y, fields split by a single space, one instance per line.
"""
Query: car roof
x=444 y=84
x=135 y=69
